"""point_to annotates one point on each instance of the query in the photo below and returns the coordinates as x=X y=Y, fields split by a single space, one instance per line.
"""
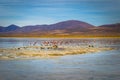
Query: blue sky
x=33 y=12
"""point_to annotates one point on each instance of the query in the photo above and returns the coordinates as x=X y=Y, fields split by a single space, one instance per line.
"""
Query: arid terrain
x=70 y=28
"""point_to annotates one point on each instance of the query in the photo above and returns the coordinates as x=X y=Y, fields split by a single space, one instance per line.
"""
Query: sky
x=37 y=12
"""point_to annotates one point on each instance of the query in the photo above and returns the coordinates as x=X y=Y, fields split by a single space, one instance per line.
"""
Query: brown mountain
x=110 y=29
x=62 y=29
x=117 y=25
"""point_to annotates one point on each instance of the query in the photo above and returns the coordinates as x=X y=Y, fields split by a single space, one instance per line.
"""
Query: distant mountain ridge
x=64 y=29
x=9 y=28
x=117 y=25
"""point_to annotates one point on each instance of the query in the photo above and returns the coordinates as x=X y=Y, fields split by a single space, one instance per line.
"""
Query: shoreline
x=65 y=37
x=37 y=53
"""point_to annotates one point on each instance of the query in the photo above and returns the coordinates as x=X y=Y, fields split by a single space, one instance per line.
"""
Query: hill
x=70 y=28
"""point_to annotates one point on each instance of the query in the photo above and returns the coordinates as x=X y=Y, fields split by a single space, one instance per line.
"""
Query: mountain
x=1 y=28
x=117 y=25
x=70 y=24
x=111 y=28
x=9 y=28
x=61 y=29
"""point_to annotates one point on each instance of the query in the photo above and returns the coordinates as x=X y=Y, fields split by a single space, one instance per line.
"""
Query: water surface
x=98 y=66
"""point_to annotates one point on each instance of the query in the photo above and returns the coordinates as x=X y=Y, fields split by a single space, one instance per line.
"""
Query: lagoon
x=103 y=65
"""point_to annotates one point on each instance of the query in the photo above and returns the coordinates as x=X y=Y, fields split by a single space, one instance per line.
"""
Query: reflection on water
x=102 y=66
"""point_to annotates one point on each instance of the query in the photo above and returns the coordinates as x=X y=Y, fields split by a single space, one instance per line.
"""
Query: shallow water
x=21 y=42
x=100 y=66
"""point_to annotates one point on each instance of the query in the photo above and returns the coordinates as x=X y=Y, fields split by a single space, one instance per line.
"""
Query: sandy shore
x=30 y=52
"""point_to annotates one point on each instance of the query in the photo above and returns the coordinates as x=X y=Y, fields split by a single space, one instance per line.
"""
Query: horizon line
x=58 y=22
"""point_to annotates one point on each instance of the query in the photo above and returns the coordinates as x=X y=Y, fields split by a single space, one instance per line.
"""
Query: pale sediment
x=39 y=52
